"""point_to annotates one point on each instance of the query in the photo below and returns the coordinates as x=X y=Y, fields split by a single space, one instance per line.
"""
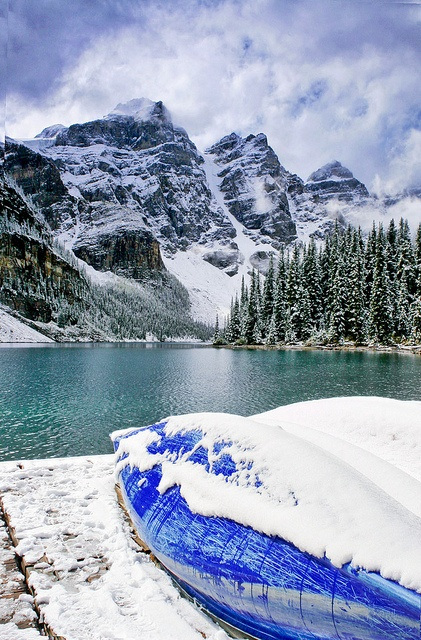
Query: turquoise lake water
x=64 y=400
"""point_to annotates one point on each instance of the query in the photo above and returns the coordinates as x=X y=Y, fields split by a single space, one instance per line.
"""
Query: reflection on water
x=61 y=400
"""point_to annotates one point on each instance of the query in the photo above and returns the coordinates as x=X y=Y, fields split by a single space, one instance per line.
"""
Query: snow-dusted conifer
x=392 y=267
x=324 y=261
x=312 y=282
x=370 y=257
x=235 y=326
x=268 y=297
x=252 y=309
x=217 y=332
x=307 y=328
x=294 y=292
x=416 y=319
x=406 y=258
x=279 y=305
x=380 y=314
x=417 y=255
x=404 y=319
x=356 y=307
x=336 y=327
x=272 y=336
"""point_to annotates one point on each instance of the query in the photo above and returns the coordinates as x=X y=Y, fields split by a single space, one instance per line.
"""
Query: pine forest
x=351 y=288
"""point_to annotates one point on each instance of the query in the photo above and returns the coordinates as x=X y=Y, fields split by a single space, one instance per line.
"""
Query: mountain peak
x=51 y=131
x=140 y=109
x=334 y=181
x=331 y=171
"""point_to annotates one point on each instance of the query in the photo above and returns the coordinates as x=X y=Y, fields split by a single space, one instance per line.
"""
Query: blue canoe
x=262 y=586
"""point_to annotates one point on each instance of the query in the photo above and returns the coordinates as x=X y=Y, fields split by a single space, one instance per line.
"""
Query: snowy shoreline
x=399 y=349
x=404 y=349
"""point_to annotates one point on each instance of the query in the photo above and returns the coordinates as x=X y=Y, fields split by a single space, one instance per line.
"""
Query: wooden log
x=12 y=581
x=135 y=536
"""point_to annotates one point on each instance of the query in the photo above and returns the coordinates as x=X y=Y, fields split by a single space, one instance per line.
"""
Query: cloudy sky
x=324 y=79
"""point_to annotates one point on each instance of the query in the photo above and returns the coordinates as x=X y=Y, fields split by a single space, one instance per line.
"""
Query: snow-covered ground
x=12 y=330
x=340 y=476
x=91 y=582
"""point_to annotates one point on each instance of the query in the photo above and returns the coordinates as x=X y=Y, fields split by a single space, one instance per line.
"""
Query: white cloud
x=317 y=77
x=404 y=167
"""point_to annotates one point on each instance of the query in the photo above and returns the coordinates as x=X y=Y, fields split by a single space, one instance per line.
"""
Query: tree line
x=350 y=288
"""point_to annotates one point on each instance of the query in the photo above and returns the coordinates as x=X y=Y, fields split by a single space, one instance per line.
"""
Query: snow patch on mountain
x=331 y=171
x=138 y=108
x=51 y=131
x=212 y=289
x=13 y=330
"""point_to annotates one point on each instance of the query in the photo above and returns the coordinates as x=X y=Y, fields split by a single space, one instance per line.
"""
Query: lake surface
x=64 y=400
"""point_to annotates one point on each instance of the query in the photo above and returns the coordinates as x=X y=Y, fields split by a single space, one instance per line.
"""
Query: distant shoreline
x=404 y=349
x=407 y=349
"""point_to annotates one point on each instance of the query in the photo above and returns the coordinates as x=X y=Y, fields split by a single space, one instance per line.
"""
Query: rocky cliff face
x=34 y=279
x=126 y=252
x=101 y=233
x=254 y=185
x=43 y=285
x=40 y=178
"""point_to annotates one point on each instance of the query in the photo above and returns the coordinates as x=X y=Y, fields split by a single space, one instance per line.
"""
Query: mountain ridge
x=132 y=194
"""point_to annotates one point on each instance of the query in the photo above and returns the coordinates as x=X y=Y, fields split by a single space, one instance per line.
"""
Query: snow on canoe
x=270 y=533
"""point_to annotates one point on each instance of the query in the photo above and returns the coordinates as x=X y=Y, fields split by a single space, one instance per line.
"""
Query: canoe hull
x=261 y=585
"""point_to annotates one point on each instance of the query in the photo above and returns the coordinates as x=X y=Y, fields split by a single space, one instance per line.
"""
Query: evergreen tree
x=392 y=269
x=370 y=258
x=294 y=293
x=272 y=335
x=252 y=310
x=216 y=333
x=406 y=258
x=324 y=261
x=307 y=326
x=404 y=320
x=380 y=315
x=244 y=303
x=336 y=327
x=268 y=297
x=336 y=247
x=312 y=283
x=356 y=309
x=416 y=305
x=417 y=256
x=235 y=325
x=279 y=304
x=416 y=320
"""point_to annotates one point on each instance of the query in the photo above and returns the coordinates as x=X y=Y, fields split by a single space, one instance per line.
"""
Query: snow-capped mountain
x=254 y=185
x=130 y=193
x=330 y=194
